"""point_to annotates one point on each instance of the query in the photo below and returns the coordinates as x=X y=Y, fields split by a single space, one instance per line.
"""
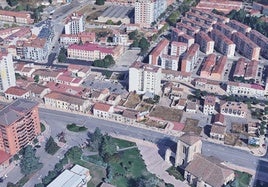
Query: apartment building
x=246 y=47
x=208 y=65
x=144 y=12
x=19 y=125
x=200 y=18
x=68 y=39
x=246 y=69
x=36 y=49
x=225 y=29
x=67 y=102
x=190 y=59
x=240 y=68
x=201 y=26
x=145 y=78
x=260 y=40
x=222 y=43
x=244 y=89
x=235 y=109
x=210 y=15
x=240 y=27
x=7 y=75
x=175 y=33
x=91 y=52
x=158 y=51
x=218 y=69
x=188 y=29
x=209 y=105
x=74 y=24
x=16 y=17
x=166 y=55
x=205 y=42
x=185 y=38
x=224 y=6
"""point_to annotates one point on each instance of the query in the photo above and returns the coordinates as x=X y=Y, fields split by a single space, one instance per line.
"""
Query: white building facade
x=7 y=75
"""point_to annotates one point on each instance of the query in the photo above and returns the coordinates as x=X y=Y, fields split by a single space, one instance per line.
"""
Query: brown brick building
x=19 y=125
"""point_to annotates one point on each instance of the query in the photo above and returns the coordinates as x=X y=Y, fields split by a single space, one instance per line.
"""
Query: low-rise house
x=79 y=71
x=244 y=89
x=16 y=92
x=114 y=99
x=176 y=75
x=207 y=171
x=176 y=92
x=236 y=109
x=78 y=176
x=67 y=102
x=208 y=85
x=24 y=69
x=98 y=95
x=38 y=90
x=219 y=119
x=181 y=104
x=47 y=75
x=102 y=110
x=191 y=106
x=217 y=132
x=209 y=105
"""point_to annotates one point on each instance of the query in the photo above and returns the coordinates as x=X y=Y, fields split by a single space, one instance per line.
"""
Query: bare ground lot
x=191 y=125
x=166 y=113
x=132 y=101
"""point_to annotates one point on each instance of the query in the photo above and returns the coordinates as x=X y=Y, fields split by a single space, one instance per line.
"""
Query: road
x=58 y=121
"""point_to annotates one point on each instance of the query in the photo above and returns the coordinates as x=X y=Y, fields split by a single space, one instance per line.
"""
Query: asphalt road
x=58 y=120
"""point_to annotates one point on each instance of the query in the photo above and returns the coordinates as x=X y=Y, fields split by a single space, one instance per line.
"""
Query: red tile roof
x=4 y=156
x=102 y=107
x=15 y=90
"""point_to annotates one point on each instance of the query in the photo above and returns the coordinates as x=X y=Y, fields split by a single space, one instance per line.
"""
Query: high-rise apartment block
x=260 y=40
x=240 y=27
x=190 y=58
x=222 y=44
x=246 y=47
x=225 y=29
x=7 y=75
x=166 y=55
x=179 y=36
x=74 y=24
x=19 y=125
x=205 y=42
x=145 y=78
x=147 y=11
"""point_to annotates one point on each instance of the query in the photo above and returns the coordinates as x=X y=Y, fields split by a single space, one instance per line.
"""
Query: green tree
x=29 y=162
x=74 y=153
x=133 y=35
x=144 y=45
x=109 y=22
x=36 y=78
x=62 y=55
x=51 y=146
x=173 y=17
x=144 y=182
x=100 y=2
x=12 y=2
x=95 y=139
x=107 y=148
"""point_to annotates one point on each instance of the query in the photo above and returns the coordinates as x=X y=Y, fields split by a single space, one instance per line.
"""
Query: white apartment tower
x=7 y=75
x=74 y=24
x=147 y=11
x=144 y=78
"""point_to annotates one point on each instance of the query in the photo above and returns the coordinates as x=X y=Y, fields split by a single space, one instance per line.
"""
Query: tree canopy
x=29 y=162
x=51 y=146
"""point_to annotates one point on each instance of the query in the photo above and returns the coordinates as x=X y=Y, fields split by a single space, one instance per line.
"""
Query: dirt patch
x=231 y=139
x=154 y=123
x=132 y=101
x=191 y=125
x=166 y=113
x=142 y=107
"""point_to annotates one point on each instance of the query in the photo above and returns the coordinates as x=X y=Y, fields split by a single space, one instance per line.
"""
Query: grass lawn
x=176 y=173
x=133 y=100
x=43 y=127
x=166 y=113
x=128 y=165
x=242 y=179
x=75 y=128
x=122 y=143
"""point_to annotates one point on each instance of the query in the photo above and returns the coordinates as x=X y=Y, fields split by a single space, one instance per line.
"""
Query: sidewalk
x=153 y=161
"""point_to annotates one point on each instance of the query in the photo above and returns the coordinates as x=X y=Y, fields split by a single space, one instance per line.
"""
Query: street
x=58 y=120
